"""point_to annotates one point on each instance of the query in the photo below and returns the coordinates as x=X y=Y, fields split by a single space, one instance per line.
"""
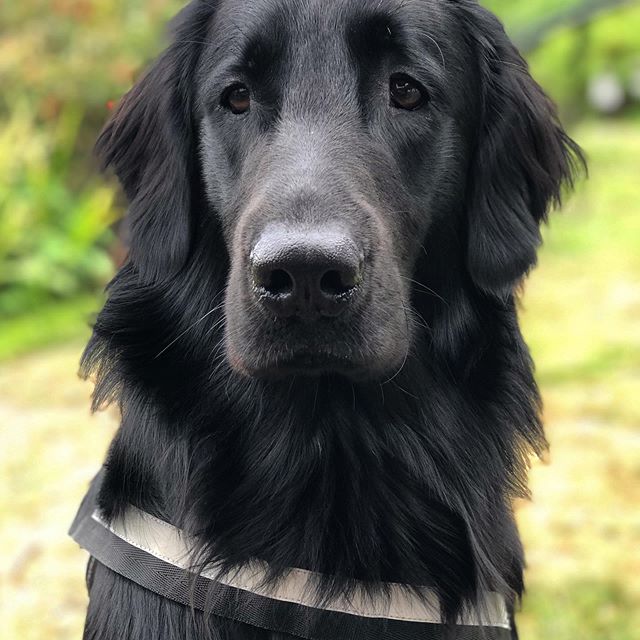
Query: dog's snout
x=307 y=274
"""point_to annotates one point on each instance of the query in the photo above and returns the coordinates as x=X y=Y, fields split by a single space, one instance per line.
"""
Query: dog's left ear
x=149 y=142
x=522 y=159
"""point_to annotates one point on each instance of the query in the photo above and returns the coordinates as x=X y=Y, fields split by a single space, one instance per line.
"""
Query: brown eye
x=237 y=99
x=406 y=93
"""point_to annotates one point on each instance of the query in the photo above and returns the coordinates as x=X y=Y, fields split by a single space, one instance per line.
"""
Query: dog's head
x=324 y=142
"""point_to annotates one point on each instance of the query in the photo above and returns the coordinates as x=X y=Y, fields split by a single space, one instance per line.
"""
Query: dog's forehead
x=301 y=14
x=318 y=25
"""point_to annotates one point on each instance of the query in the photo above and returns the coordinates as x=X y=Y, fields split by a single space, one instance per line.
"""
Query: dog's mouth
x=281 y=363
x=308 y=363
x=287 y=358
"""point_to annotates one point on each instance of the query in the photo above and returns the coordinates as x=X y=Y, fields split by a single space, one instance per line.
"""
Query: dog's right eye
x=406 y=93
x=237 y=98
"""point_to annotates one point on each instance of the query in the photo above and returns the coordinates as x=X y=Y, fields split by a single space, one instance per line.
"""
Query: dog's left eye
x=237 y=98
x=406 y=93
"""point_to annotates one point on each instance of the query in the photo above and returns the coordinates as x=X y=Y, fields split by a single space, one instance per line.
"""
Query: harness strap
x=157 y=556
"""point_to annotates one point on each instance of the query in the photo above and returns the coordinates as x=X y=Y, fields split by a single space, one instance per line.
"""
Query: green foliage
x=83 y=52
x=53 y=234
x=61 y=63
x=570 y=55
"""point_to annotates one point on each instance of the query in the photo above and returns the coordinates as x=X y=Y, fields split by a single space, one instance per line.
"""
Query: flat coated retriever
x=314 y=342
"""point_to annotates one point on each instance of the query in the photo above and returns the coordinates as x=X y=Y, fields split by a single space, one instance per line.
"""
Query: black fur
x=404 y=467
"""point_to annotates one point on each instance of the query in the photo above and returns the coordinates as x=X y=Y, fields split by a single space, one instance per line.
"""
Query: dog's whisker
x=444 y=64
x=195 y=324
x=408 y=393
x=418 y=318
x=425 y=289
x=315 y=400
x=406 y=355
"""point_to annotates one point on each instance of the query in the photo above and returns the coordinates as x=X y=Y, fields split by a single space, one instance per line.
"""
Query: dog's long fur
x=408 y=477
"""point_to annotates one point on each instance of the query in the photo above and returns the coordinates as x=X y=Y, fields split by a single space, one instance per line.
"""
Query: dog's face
x=325 y=131
x=328 y=138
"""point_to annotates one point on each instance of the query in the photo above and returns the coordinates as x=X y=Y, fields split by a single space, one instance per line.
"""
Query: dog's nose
x=306 y=274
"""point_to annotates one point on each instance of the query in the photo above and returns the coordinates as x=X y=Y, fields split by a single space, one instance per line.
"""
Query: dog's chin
x=307 y=363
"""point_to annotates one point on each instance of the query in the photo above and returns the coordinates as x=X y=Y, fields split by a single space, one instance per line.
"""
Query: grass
x=581 y=315
x=52 y=324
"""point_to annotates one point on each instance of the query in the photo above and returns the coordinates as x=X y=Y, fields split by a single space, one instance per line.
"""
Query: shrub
x=61 y=63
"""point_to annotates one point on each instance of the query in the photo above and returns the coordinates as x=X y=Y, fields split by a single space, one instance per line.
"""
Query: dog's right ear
x=523 y=160
x=149 y=142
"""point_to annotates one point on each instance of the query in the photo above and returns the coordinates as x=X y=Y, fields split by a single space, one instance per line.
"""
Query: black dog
x=314 y=342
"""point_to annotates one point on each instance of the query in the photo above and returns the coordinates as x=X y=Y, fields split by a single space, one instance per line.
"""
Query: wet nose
x=308 y=274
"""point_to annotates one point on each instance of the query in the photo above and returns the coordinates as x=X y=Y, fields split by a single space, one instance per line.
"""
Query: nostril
x=279 y=283
x=308 y=274
x=337 y=283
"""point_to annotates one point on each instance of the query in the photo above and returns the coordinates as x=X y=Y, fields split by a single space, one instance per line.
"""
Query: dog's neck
x=372 y=482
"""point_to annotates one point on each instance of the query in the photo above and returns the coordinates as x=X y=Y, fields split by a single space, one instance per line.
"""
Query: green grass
x=581 y=317
x=580 y=610
x=581 y=309
x=52 y=324
x=581 y=531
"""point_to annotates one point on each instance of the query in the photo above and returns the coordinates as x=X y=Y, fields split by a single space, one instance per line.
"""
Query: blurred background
x=63 y=65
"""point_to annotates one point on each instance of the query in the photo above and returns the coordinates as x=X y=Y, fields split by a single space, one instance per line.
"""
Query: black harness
x=156 y=555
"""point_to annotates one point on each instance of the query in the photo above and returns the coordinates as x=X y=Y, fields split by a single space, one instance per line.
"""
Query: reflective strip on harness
x=156 y=555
